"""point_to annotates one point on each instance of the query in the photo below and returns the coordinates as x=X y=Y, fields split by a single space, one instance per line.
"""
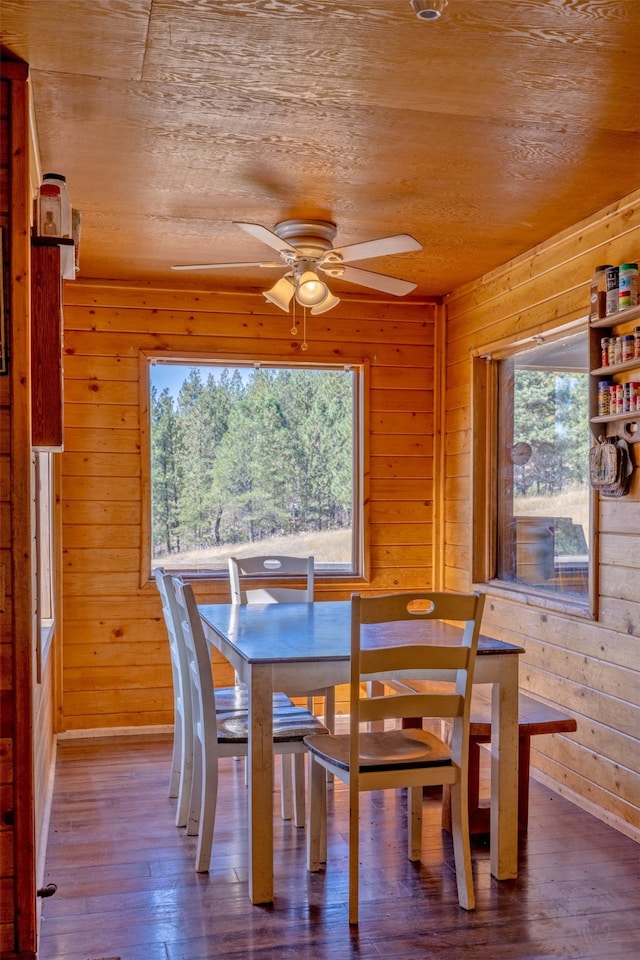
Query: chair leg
x=176 y=759
x=462 y=845
x=316 y=812
x=285 y=786
x=186 y=775
x=298 y=789
x=194 y=790
x=354 y=853
x=414 y=824
x=330 y=709
x=330 y=716
x=209 y=798
x=476 y=812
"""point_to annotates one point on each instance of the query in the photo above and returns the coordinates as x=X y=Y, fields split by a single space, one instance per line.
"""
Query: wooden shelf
x=614 y=368
x=37 y=241
x=617 y=417
x=631 y=313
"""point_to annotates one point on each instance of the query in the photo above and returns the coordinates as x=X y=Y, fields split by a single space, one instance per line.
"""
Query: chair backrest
x=179 y=666
x=249 y=576
x=199 y=665
x=407 y=636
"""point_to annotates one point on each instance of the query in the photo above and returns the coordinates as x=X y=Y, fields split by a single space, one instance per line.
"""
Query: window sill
x=556 y=602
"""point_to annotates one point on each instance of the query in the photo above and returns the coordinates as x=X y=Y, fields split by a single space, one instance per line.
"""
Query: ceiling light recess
x=428 y=9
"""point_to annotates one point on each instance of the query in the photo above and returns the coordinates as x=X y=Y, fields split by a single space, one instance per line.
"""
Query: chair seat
x=289 y=724
x=384 y=750
x=230 y=699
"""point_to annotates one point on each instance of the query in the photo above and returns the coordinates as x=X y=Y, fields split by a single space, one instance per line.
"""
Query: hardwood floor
x=127 y=888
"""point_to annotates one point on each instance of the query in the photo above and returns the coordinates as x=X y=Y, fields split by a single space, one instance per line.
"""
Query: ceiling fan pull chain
x=304 y=344
x=294 y=328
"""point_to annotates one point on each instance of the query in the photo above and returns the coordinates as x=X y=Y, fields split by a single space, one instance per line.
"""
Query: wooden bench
x=534 y=719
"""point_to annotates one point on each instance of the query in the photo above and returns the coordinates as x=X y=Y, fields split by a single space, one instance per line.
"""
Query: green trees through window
x=245 y=455
x=543 y=529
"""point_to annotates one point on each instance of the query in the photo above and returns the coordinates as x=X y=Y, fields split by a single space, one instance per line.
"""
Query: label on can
x=628 y=347
x=604 y=405
x=627 y=285
x=612 y=297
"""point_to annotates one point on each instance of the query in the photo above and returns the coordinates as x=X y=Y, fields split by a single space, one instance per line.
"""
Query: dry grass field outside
x=573 y=504
x=333 y=547
x=327 y=547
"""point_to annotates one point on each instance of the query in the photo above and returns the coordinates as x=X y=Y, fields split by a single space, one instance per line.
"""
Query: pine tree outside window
x=255 y=458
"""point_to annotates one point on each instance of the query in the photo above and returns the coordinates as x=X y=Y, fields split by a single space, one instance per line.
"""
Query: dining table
x=297 y=646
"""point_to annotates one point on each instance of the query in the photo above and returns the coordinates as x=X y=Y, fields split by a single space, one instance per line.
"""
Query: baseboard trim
x=92 y=733
x=622 y=826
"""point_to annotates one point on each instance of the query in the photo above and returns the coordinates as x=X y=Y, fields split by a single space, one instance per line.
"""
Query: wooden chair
x=218 y=735
x=227 y=700
x=375 y=760
x=249 y=581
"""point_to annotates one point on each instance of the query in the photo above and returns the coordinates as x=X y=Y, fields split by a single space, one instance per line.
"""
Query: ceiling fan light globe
x=329 y=302
x=310 y=291
x=281 y=293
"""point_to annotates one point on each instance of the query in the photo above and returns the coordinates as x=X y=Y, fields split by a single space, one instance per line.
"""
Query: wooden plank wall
x=18 y=934
x=6 y=661
x=592 y=669
x=115 y=659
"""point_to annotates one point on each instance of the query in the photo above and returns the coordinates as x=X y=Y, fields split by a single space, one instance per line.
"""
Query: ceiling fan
x=305 y=248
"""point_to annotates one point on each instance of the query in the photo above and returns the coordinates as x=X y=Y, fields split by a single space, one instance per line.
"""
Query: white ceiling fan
x=305 y=249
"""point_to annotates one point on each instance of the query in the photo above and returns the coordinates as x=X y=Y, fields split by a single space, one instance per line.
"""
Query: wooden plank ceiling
x=481 y=134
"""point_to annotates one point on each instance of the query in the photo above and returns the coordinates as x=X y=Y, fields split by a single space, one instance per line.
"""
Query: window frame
x=485 y=518
x=44 y=486
x=359 y=573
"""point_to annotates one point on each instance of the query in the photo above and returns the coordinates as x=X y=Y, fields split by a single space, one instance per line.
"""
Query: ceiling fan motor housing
x=310 y=237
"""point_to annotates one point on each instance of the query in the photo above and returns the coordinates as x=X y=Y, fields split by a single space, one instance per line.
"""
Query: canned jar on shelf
x=628 y=286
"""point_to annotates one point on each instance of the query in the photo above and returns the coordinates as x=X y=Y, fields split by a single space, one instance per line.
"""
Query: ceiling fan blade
x=267 y=236
x=365 y=278
x=399 y=243
x=221 y=266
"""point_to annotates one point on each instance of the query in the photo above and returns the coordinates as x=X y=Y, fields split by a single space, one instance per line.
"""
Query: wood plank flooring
x=127 y=889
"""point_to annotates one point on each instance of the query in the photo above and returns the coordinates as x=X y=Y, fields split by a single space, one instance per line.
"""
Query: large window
x=255 y=458
x=543 y=496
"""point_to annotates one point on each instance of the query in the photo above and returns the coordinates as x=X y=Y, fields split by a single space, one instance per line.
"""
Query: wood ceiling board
x=482 y=134
x=367 y=59
x=102 y=38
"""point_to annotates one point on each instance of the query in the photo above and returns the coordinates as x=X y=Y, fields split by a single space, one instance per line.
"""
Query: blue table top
x=291 y=632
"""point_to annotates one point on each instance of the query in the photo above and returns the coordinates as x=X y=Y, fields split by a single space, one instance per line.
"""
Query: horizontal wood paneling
x=591 y=668
x=116 y=665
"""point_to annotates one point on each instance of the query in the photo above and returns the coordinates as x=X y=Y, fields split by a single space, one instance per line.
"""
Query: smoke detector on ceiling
x=428 y=9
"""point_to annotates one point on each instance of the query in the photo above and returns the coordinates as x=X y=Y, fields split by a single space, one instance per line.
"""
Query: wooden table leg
x=260 y=764
x=504 y=772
